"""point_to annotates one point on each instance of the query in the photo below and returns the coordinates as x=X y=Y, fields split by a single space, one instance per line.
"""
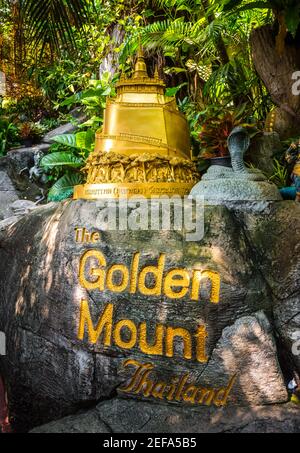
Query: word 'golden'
x=144 y=383
x=125 y=334
x=175 y=284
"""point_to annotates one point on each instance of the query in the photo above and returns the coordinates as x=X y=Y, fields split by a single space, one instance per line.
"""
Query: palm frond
x=52 y=22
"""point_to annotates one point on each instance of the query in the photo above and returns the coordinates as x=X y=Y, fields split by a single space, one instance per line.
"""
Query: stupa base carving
x=113 y=175
x=127 y=190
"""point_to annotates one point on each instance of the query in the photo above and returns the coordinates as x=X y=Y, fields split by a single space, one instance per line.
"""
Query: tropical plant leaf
x=61 y=159
x=66 y=139
x=64 y=187
x=254 y=5
x=74 y=99
x=85 y=140
x=173 y=91
x=228 y=5
x=52 y=22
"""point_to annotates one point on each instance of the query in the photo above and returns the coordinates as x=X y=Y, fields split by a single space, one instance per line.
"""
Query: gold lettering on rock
x=163 y=343
x=133 y=334
x=174 y=284
x=105 y=323
x=144 y=383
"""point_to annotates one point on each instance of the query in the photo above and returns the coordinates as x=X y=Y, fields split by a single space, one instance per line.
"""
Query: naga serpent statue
x=236 y=184
x=238 y=143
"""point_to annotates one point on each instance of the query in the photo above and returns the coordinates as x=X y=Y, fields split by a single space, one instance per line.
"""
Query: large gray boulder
x=279 y=228
x=124 y=416
x=53 y=368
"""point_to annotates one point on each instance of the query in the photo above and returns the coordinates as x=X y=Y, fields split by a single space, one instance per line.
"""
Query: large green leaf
x=71 y=100
x=61 y=159
x=66 y=139
x=64 y=187
x=173 y=91
x=85 y=140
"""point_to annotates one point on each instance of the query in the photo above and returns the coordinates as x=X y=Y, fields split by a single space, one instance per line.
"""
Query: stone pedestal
x=222 y=186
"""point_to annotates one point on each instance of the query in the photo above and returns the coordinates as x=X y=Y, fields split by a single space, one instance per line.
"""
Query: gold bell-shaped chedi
x=144 y=146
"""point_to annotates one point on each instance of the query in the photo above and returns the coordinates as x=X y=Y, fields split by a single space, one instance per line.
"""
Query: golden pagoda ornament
x=144 y=145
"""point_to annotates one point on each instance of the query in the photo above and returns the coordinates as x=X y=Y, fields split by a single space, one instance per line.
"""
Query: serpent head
x=238 y=143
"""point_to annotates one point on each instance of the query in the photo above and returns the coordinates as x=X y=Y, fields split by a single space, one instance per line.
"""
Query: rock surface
x=121 y=416
x=19 y=163
x=79 y=117
x=246 y=350
x=8 y=195
x=51 y=373
x=280 y=228
x=262 y=151
x=22 y=207
x=68 y=128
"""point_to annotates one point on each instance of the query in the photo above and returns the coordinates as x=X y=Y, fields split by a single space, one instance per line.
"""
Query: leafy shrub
x=216 y=130
x=65 y=161
x=9 y=136
x=30 y=108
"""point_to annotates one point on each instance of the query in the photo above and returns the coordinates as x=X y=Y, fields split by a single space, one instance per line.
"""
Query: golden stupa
x=144 y=145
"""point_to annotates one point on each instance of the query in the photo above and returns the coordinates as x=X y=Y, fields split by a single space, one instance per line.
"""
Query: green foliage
x=280 y=175
x=210 y=49
x=29 y=108
x=9 y=136
x=289 y=10
x=202 y=47
x=52 y=22
x=68 y=154
x=61 y=159
x=63 y=164
x=64 y=187
x=216 y=130
x=92 y=100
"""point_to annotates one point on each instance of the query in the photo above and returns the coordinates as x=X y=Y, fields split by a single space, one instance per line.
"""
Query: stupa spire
x=140 y=70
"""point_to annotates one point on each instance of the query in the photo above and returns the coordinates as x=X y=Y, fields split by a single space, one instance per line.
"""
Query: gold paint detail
x=94 y=274
x=215 y=280
x=110 y=280
x=128 y=190
x=157 y=271
x=157 y=347
x=104 y=168
x=145 y=384
x=133 y=334
x=172 y=282
x=172 y=333
x=105 y=323
x=110 y=334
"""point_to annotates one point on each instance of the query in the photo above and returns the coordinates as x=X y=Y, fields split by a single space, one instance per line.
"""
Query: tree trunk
x=276 y=72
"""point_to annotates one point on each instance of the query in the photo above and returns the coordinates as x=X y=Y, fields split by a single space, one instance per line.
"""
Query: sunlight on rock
x=20 y=298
